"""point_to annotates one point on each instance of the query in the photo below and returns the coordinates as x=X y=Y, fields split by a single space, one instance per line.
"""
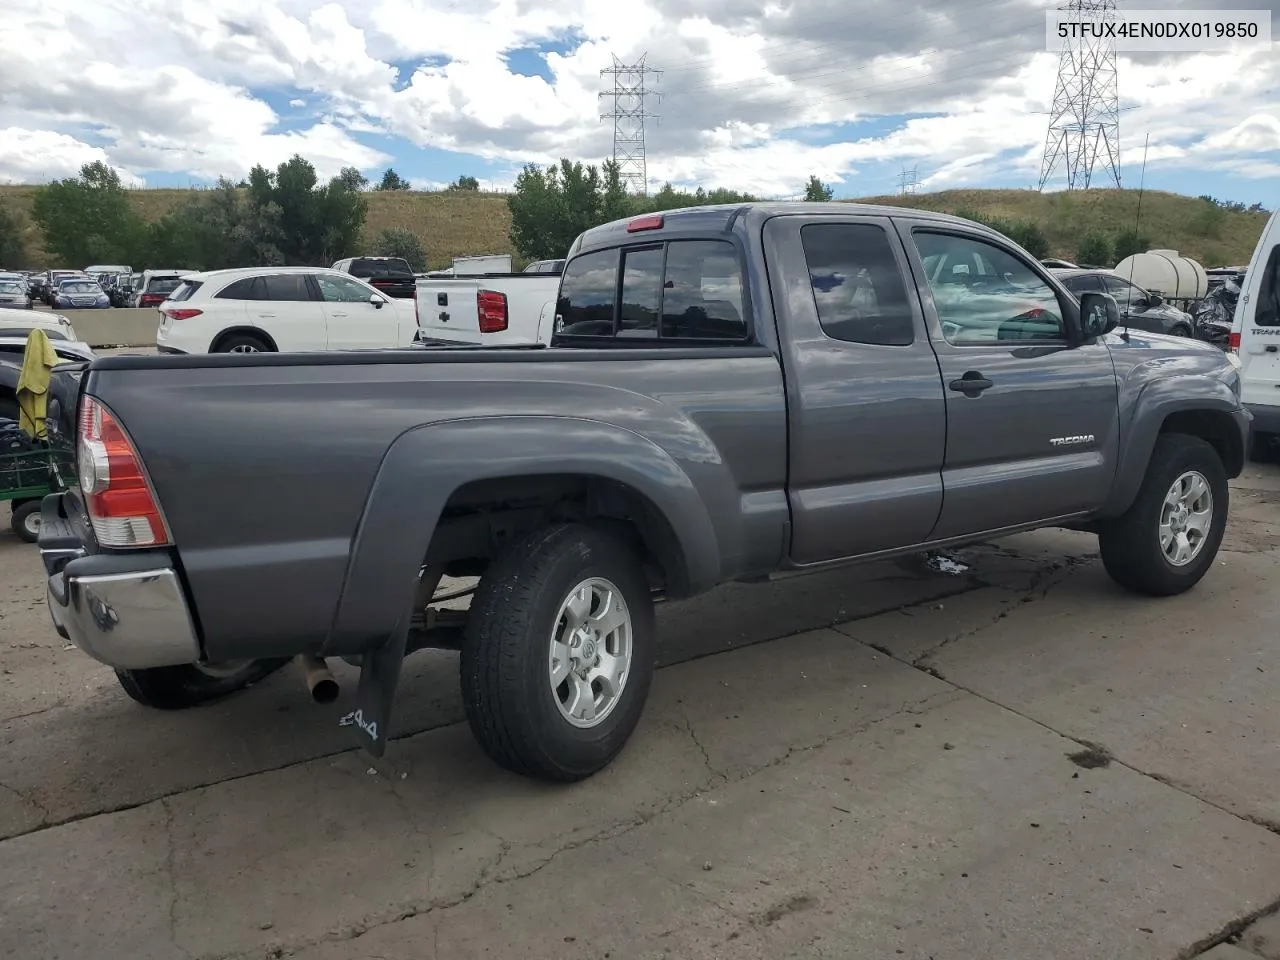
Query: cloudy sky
x=756 y=94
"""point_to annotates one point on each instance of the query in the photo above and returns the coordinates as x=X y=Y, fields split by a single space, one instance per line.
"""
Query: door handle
x=971 y=384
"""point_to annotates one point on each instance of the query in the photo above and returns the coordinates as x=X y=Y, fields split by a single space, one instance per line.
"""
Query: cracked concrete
x=1093 y=777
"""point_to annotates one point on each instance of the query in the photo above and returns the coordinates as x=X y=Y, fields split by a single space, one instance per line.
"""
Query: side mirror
x=1154 y=299
x=1099 y=313
x=376 y=300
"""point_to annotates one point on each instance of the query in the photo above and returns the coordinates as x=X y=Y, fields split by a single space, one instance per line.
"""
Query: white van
x=1255 y=335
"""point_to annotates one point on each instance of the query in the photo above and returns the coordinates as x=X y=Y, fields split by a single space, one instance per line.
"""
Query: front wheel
x=1181 y=330
x=1168 y=538
x=189 y=685
x=559 y=653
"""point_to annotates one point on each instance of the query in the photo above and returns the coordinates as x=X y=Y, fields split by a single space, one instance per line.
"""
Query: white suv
x=286 y=309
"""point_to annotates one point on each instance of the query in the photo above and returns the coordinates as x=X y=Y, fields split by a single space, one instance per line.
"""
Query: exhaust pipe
x=320 y=680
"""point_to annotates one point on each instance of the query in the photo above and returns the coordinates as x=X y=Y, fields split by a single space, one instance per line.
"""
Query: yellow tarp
x=38 y=361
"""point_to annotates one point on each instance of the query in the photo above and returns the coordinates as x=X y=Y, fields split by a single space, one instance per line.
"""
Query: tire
x=26 y=520
x=1180 y=330
x=242 y=343
x=507 y=659
x=177 y=688
x=1131 y=545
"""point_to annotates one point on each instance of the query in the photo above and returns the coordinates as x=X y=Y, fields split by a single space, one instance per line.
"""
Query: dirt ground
x=1013 y=761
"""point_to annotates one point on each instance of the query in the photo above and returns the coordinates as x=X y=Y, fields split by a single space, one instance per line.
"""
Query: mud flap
x=375 y=694
x=380 y=674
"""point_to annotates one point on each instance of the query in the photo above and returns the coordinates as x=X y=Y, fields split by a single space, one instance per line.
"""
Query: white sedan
x=285 y=309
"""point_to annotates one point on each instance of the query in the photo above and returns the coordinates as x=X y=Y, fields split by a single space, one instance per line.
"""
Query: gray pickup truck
x=731 y=393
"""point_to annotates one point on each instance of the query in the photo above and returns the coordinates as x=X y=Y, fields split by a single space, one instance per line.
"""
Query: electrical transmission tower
x=908 y=181
x=628 y=94
x=1084 y=122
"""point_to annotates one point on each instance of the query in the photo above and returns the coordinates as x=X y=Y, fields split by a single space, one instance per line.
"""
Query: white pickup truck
x=492 y=309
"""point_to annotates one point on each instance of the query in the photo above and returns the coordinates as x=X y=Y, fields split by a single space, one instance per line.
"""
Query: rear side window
x=242 y=289
x=1268 y=312
x=185 y=290
x=857 y=284
x=1087 y=283
x=588 y=288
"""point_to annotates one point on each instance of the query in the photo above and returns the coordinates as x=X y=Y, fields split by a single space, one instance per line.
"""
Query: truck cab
x=1255 y=336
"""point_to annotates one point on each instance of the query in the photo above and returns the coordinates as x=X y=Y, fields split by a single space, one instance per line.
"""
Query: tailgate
x=447 y=311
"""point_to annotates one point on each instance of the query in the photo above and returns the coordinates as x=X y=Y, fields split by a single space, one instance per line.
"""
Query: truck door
x=866 y=409
x=1032 y=425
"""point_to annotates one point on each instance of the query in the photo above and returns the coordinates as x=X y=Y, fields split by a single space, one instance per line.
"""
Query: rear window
x=678 y=291
x=1268 y=313
x=163 y=284
x=185 y=289
x=392 y=268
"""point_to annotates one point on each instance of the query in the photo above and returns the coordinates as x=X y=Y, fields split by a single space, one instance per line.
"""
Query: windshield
x=79 y=286
x=11 y=287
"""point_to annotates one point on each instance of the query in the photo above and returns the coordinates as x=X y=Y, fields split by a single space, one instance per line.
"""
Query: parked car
x=1255 y=337
x=389 y=275
x=511 y=309
x=269 y=309
x=49 y=287
x=14 y=294
x=154 y=286
x=12 y=344
x=76 y=293
x=1139 y=309
x=24 y=321
x=732 y=393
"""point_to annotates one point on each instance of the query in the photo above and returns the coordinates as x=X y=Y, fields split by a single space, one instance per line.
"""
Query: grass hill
x=464 y=223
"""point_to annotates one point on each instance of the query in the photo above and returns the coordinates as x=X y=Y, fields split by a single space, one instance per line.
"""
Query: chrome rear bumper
x=127 y=611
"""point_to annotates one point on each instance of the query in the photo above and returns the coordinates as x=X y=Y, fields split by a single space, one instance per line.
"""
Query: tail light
x=492 y=308
x=181 y=314
x=117 y=493
x=1233 y=341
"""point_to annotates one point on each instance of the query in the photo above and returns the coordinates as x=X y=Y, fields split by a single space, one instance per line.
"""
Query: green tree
x=817 y=191
x=13 y=241
x=205 y=232
x=1029 y=236
x=465 y=183
x=89 y=218
x=1094 y=249
x=290 y=219
x=392 y=181
x=402 y=242
x=1129 y=242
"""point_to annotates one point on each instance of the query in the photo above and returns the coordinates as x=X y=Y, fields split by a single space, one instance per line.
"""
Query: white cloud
x=741 y=82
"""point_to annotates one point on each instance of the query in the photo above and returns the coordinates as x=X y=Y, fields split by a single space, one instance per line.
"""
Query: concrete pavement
x=1015 y=761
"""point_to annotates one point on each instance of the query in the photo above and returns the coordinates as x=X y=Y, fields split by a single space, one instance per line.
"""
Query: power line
x=1084 y=122
x=628 y=115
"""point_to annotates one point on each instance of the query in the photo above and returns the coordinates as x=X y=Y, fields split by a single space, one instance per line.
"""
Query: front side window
x=341 y=290
x=857 y=285
x=983 y=294
x=588 y=289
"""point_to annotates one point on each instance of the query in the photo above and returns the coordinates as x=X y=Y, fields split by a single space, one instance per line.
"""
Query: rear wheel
x=559 y=653
x=242 y=343
x=1181 y=330
x=189 y=685
x=26 y=520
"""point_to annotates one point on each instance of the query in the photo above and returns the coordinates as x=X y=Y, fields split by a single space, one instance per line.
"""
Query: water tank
x=1165 y=273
